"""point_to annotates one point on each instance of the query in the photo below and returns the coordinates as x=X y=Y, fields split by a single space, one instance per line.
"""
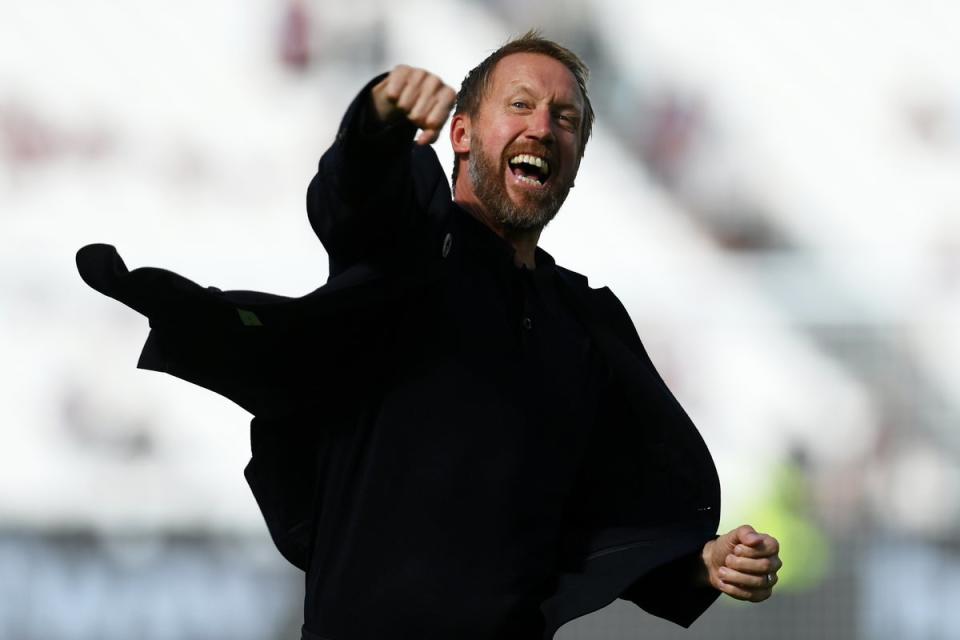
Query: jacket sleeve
x=376 y=191
x=671 y=592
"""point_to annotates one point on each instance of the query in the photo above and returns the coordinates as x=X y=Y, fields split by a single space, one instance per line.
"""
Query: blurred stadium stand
x=772 y=190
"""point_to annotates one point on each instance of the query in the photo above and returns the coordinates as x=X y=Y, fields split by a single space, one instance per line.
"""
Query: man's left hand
x=743 y=563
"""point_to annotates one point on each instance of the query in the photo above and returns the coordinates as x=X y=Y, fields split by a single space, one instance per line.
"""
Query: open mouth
x=530 y=169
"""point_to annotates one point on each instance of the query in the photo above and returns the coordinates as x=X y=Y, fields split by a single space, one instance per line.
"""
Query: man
x=456 y=437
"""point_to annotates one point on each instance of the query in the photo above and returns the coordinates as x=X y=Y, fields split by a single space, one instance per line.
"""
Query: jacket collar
x=485 y=240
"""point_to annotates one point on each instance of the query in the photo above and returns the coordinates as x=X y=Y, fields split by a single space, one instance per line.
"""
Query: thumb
x=748 y=535
x=427 y=136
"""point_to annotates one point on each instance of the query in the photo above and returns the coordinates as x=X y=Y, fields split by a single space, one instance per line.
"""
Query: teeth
x=528 y=180
x=533 y=160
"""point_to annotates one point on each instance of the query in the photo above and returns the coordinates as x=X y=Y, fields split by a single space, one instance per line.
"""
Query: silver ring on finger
x=769 y=579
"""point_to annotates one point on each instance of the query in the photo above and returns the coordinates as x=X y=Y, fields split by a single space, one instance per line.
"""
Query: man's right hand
x=416 y=95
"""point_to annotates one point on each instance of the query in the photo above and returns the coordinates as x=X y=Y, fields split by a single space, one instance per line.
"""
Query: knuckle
x=393 y=87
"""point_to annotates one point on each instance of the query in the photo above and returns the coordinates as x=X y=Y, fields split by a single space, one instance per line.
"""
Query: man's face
x=525 y=141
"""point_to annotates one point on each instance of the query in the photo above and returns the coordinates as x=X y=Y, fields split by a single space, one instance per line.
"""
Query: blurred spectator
x=295 y=36
x=788 y=509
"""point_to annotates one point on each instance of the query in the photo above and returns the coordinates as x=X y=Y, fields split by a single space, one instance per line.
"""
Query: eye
x=520 y=104
x=568 y=119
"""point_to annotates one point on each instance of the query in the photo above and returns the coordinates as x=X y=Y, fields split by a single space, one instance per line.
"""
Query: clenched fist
x=743 y=563
x=417 y=95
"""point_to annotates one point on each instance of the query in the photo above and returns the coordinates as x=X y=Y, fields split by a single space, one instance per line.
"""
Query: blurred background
x=773 y=191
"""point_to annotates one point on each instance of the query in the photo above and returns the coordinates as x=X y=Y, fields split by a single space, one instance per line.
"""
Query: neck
x=524 y=242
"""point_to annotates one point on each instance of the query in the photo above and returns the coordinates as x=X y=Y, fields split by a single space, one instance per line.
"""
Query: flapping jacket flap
x=269 y=354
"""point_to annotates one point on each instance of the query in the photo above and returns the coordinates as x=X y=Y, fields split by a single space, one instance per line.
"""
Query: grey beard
x=488 y=184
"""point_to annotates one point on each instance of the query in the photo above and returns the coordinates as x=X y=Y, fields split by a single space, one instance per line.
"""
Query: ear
x=460 y=133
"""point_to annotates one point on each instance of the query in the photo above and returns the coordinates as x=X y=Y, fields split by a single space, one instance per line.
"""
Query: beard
x=535 y=209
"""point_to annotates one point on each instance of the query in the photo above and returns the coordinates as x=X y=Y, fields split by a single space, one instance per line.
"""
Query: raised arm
x=375 y=185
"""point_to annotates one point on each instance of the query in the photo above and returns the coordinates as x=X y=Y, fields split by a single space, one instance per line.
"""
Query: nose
x=540 y=125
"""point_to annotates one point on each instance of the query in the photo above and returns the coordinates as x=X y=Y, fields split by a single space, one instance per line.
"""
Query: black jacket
x=649 y=492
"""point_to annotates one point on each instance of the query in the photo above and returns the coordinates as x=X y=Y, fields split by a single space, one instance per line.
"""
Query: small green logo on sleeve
x=249 y=318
